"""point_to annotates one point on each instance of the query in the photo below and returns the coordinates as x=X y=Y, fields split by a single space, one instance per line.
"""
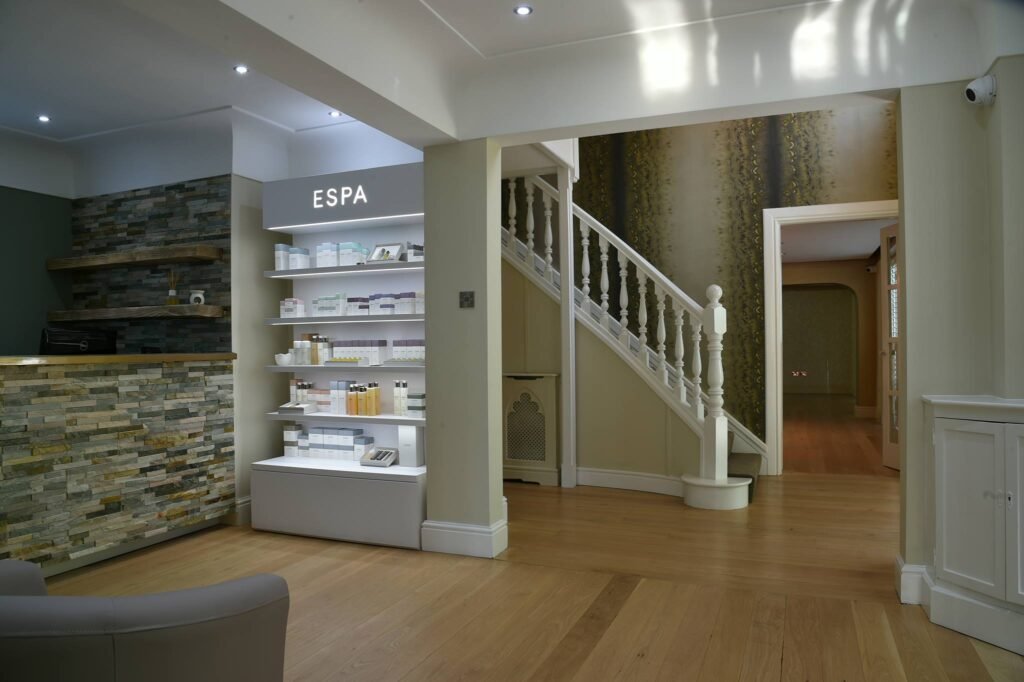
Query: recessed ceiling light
x=241 y=69
x=523 y=10
x=43 y=118
x=334 y=113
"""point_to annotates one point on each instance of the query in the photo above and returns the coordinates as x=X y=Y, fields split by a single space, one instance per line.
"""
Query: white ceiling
x=840 y=240
x=96 y=66
x=492 y=29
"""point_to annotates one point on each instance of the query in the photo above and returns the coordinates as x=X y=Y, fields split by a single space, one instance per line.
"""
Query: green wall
x=819 y=327
x=34 y=227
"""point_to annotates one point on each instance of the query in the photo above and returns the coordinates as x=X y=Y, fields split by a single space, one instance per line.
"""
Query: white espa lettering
x=338 y=196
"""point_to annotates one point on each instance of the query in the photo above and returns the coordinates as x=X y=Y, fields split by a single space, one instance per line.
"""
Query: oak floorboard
x=598 y=584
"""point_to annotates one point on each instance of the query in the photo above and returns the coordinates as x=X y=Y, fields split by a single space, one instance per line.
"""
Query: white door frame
x=774 y=220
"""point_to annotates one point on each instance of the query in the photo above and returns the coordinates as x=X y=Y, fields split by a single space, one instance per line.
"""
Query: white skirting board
x=630 y=480
x=974 y=615
x=466 y=539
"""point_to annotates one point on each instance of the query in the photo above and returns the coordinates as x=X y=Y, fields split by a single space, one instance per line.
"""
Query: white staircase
x=684 y=331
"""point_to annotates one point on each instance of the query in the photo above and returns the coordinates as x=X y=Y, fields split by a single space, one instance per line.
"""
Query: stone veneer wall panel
x=97 y=456
x=191 y=212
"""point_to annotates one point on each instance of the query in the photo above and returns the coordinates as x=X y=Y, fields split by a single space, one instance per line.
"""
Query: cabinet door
x=970 y=523
x=1014 y=487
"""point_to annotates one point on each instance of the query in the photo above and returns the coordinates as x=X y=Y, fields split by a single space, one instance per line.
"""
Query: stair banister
x=653 y=274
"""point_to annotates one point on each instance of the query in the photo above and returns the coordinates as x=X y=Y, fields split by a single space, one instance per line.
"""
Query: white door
x=970 y=523
x=889 y=353
x=1014 y=486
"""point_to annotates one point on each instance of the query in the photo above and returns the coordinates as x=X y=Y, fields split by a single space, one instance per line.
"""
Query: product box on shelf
x=327 y=255
x=414 y=252
x=352 y=253
x=293 y=307
x=408 y=350
x=357 y=305
x=281 y=256
x=298 y=258
x=363 y=445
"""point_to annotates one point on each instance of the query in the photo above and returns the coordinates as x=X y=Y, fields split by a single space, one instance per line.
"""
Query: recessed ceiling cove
x=97 y=66
x=492 y=28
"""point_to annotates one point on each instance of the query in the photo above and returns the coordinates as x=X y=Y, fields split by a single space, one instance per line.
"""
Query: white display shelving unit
x=341 y=499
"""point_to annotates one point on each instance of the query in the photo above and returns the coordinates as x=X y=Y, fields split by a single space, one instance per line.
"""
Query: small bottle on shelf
x=361 y=401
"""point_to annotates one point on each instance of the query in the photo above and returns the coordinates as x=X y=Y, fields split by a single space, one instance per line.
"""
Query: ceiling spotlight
x=334 y=113
x=241 y=69
x=43 y=118
x=523 y=10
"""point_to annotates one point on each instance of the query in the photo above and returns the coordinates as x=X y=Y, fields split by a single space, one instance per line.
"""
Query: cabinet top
x=978 y=407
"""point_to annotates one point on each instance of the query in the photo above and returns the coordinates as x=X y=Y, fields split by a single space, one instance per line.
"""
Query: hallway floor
x=600 y=585
x=820 y=435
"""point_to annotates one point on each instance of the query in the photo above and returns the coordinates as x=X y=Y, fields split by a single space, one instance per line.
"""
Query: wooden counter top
x=126 y=359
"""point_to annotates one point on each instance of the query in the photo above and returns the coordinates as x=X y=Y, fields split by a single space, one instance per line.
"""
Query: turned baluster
x=529 y=221
x=602 y=245
x=547 y=236
x=677 y=308
x=660 y=298
x=585 y=261
x=623 y=296
x=641 y=312
x=695 y=365
x=512 y=211
x=714 y=323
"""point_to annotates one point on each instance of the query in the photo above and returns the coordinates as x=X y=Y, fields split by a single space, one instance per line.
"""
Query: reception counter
x=102 y=454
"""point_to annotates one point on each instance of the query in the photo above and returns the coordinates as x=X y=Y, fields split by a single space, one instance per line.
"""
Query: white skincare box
x=410 y=446
x=303 y=445
x=421 y=303
x=293 y=307
x=298 y=258
x=291 y=440
x=281 y=256
x=357 y=305
x=362 y=446
x=316 y=442
x=327 y=255
x=332 y=443
x=348 y=436
x=352 y=253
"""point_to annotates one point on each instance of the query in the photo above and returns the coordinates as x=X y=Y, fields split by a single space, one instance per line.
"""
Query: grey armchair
x=230 y=631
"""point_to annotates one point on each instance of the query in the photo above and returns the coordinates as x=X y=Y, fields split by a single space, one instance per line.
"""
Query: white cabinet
x=976 y=582
x=1014 y=516
x=970 y=510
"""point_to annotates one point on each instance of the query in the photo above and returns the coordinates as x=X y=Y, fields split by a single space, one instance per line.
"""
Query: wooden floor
x=600 y=585
x=820 y=435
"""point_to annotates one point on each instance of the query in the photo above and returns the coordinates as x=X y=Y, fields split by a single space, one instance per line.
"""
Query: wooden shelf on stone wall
x=180 y=253
x=137 y=313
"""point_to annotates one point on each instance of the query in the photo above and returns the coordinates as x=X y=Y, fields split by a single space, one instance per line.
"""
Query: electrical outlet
x=467 y=299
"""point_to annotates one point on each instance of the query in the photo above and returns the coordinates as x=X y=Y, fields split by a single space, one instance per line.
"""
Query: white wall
x=35 y=165
x=345 y=147
x=944 y=256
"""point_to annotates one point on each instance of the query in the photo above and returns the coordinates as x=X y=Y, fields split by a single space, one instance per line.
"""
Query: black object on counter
x=64 y=341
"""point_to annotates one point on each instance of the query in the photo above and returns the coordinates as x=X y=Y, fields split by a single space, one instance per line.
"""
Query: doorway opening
x=823 y=364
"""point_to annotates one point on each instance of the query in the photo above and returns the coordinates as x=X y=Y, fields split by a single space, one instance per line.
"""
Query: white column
x=715 y=448
x=566 y=264
x=462 y=201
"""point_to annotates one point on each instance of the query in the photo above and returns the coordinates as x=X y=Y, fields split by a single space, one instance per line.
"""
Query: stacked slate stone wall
x=192 y=212
x=97 y=456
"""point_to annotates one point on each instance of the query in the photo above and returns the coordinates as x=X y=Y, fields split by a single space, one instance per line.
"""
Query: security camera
x=981 y=91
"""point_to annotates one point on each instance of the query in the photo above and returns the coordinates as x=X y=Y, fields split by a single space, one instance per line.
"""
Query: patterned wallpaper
x=689 y=199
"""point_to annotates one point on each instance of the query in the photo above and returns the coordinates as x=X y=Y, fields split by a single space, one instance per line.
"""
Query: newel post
x=714 y=461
